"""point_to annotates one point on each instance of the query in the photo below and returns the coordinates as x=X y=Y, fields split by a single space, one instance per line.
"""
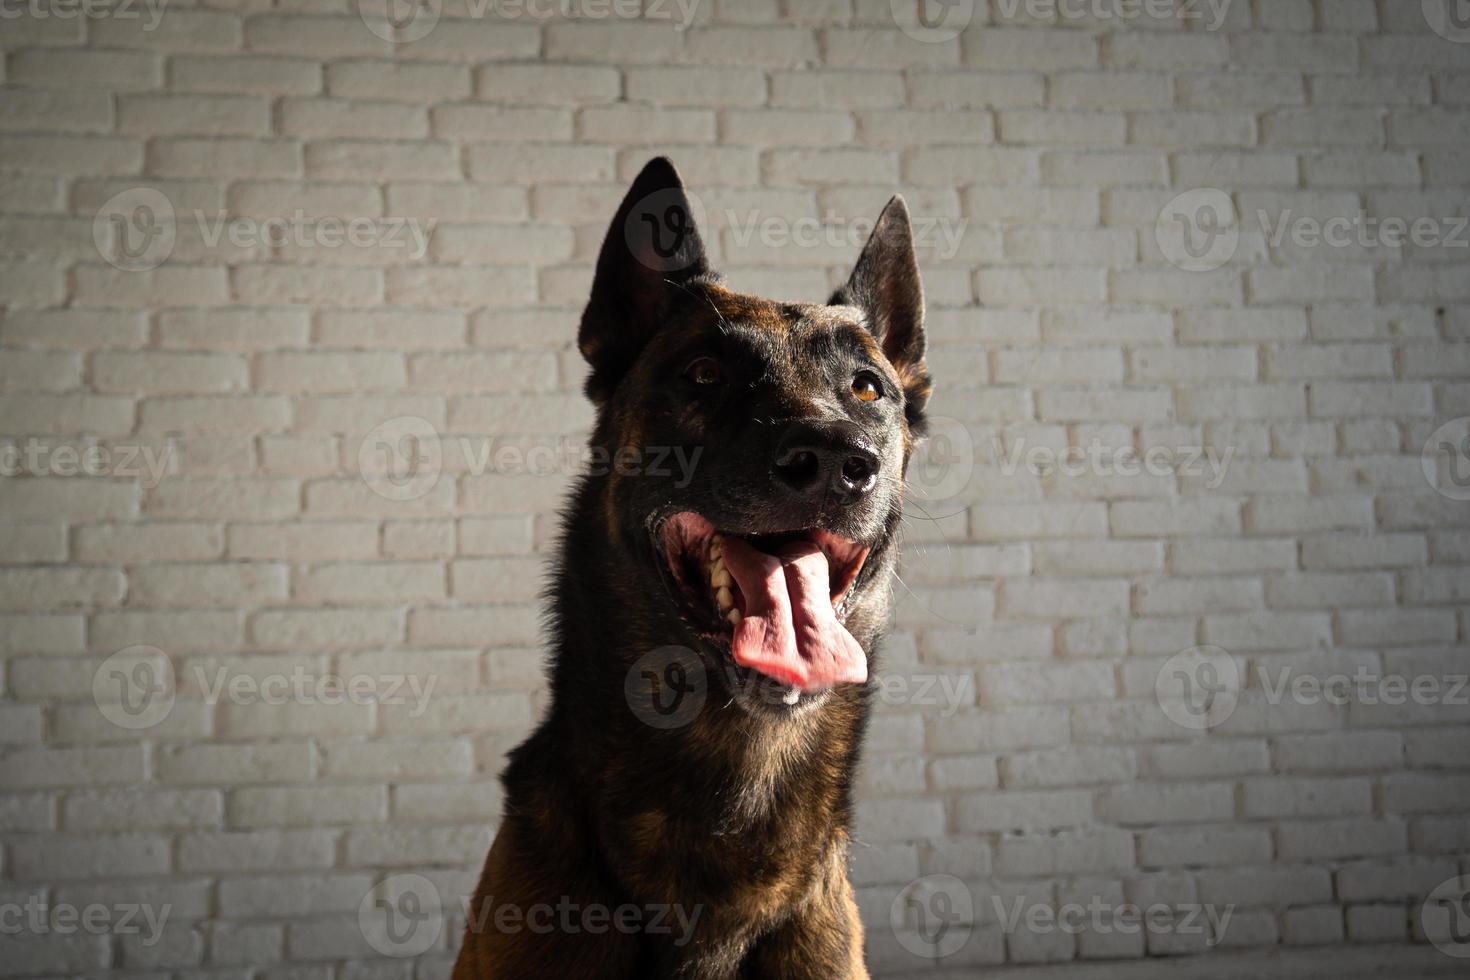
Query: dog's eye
x=704 y=371
x=866 y=388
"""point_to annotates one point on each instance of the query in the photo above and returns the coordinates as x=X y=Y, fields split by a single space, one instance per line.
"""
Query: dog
x=751 y=595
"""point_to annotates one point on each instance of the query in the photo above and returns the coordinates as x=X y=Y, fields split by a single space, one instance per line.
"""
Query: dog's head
x=757 y=449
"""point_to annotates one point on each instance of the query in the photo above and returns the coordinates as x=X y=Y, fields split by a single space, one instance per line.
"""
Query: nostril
x=858 y=472
x=799 y=467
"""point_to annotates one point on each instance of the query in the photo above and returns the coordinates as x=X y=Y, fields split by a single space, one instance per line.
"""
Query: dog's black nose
x=814 y=459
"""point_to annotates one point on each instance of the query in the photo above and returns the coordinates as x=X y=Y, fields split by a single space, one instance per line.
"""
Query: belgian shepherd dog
x=683 y=809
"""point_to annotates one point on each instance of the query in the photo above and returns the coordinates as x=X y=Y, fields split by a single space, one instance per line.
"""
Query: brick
x=1149 y=803
x=50 y=154
x=327 y=118
x=638 y=43
x=837 y=89
x=613 y=122
x=1208 y=846
x=326 y=628
x=253 y=74
x=192 y=629
x=553 y=84
x=304 y=541
x=482 y=123
x=201 y=584
x=1347 y=838
x=326 y=372
x=260 y=850
x=366 y=160
x=124 y=543
x=197 y=157
x=1150 y=49
x=62 y=857
x=282 y=806
x=256 y=896
x=57 y=767
x=193 y=115
x=42 y=111
x=118 y=71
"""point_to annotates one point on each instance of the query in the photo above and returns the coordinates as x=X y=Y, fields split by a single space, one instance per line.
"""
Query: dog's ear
x=651 y=250
x=885 y=285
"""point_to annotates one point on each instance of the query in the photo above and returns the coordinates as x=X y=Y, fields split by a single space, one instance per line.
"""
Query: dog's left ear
x=885 y=285
x=651 y=251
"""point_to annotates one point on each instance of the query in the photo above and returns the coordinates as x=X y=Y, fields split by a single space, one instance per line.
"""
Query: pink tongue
x=789 y=631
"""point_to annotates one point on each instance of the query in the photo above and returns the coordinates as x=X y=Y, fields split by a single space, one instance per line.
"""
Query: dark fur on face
x=800 y=419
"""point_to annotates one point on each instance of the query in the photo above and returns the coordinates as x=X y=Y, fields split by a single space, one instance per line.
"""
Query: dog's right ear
x=651 y=250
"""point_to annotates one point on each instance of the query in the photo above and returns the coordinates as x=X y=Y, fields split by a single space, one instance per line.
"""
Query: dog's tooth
x=720 y=577
x=725 y=597
x=716 y=546
x=734 y=617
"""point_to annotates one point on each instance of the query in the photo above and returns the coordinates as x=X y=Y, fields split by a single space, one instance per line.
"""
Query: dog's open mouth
x=780 y=599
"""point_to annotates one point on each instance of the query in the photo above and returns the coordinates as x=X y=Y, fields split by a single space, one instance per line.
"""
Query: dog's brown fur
x=741 y=815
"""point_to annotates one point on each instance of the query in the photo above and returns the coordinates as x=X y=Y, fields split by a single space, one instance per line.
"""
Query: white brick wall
x=197 y=481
